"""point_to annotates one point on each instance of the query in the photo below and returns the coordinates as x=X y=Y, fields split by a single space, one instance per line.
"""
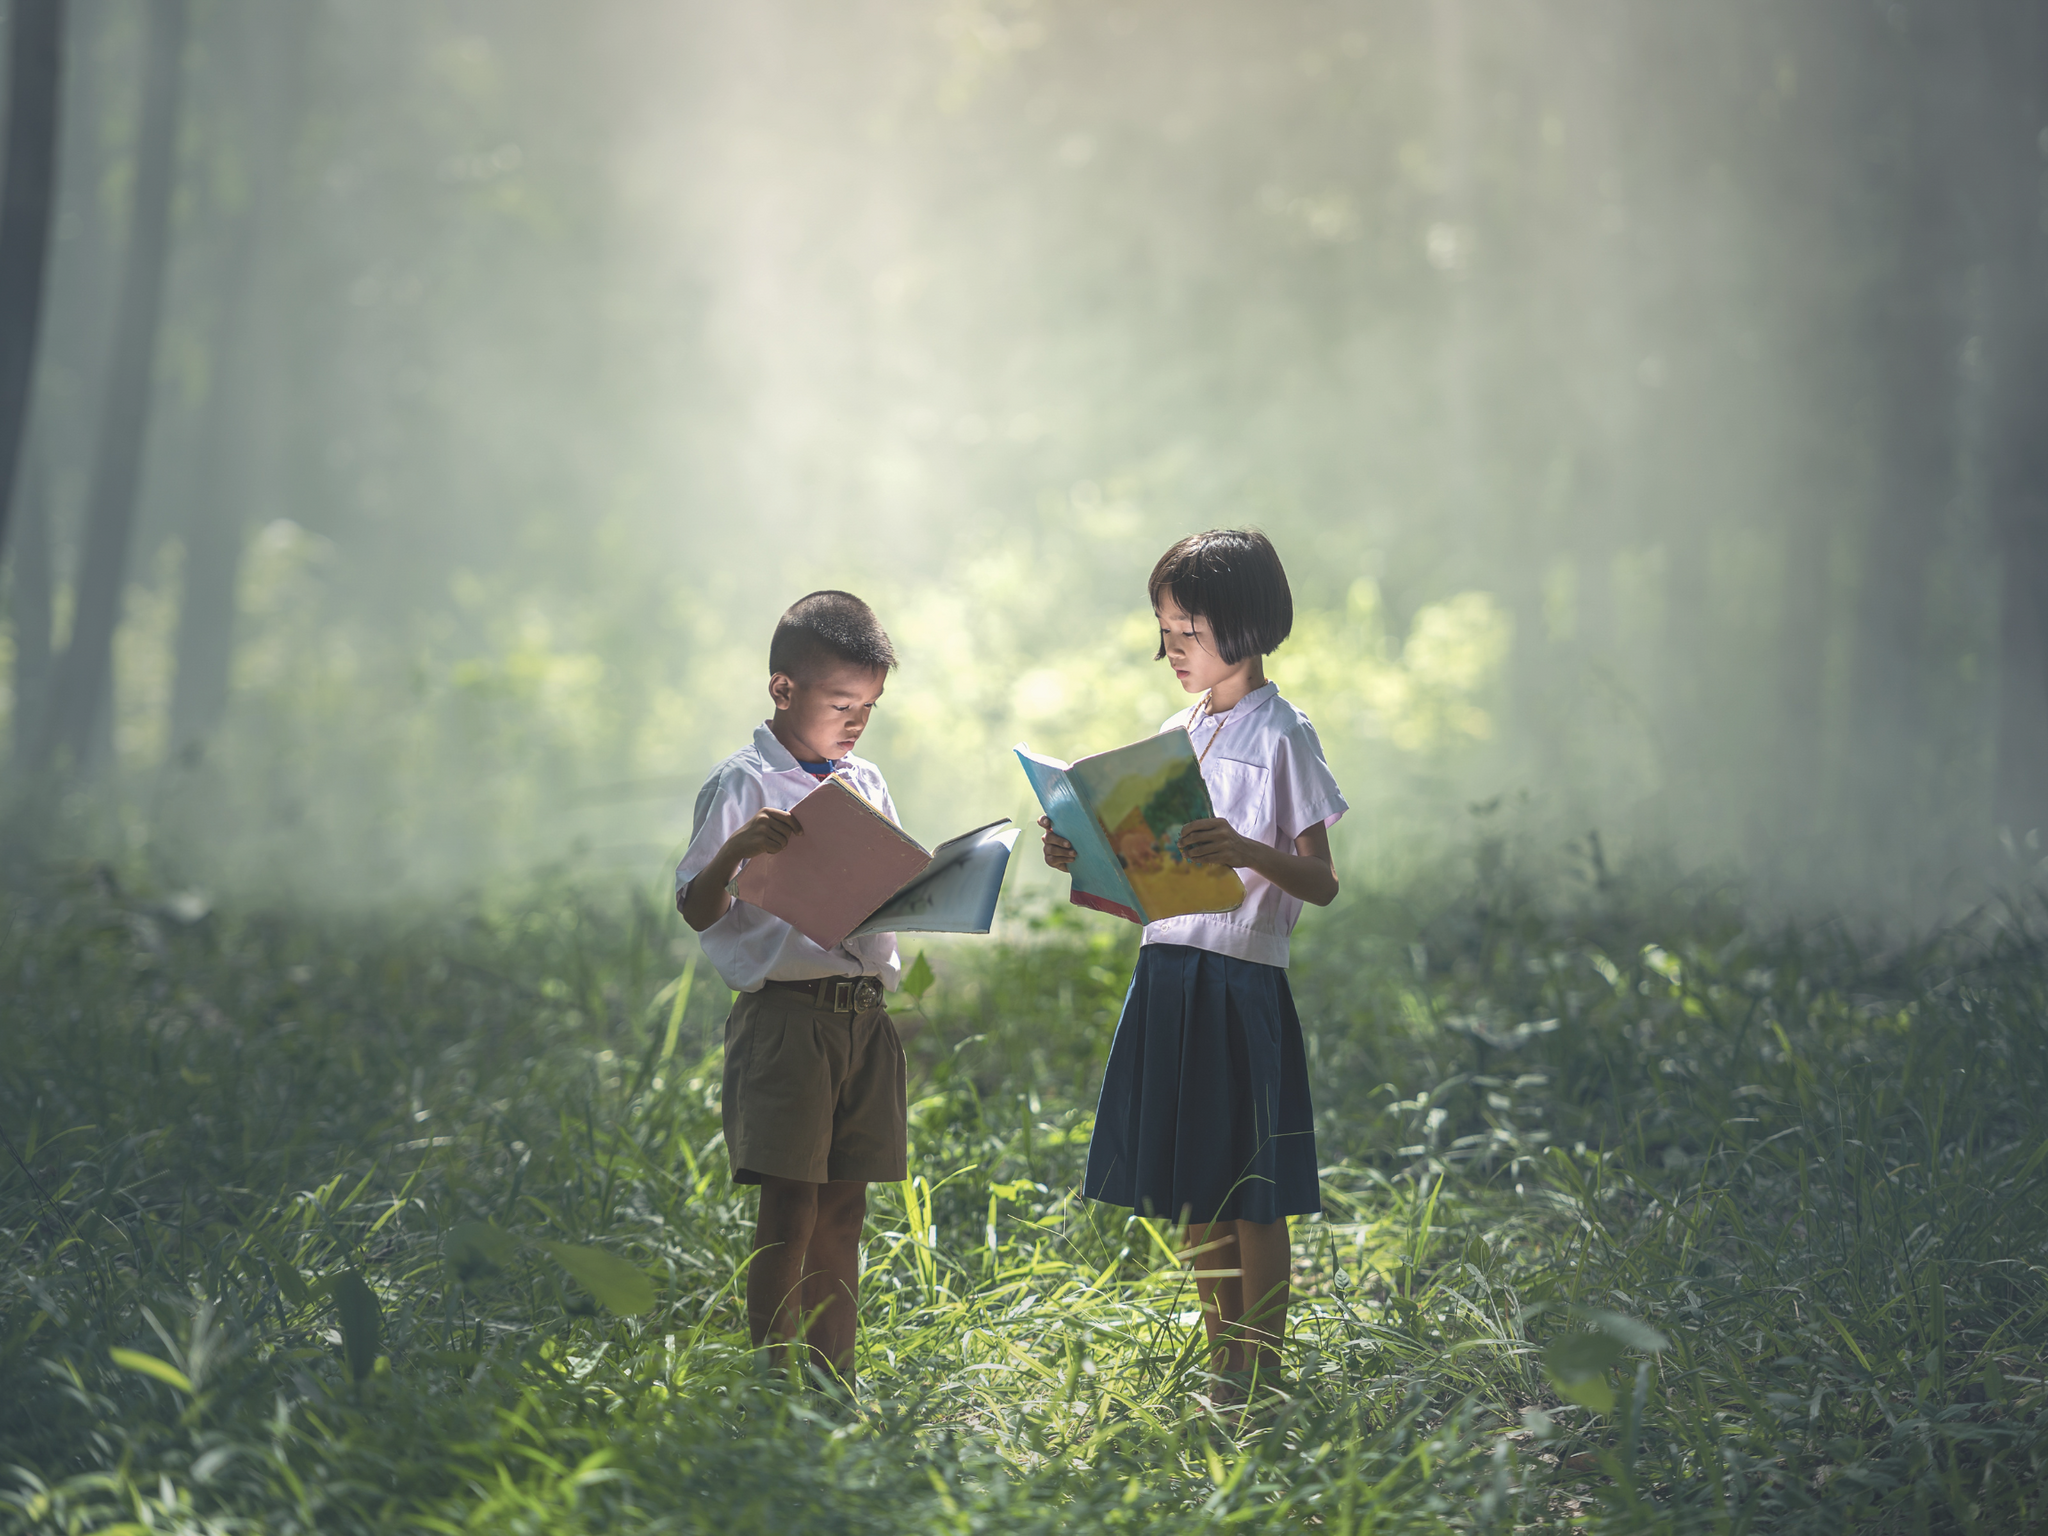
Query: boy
x=814 y=1078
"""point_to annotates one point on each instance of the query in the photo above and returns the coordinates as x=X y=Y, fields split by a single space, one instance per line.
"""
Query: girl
x=1205 y=1115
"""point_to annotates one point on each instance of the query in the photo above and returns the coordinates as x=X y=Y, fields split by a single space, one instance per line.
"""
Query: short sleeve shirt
x=747 y=945
x=1264 y=767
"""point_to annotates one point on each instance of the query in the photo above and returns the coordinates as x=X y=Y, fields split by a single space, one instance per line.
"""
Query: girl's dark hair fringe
x=1233 y=578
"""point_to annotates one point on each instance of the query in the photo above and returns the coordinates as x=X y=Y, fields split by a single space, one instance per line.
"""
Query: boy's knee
x=788 y=1202
x=842 y=1205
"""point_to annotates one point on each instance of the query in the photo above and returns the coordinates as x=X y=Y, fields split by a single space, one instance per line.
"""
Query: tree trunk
x=274 y=59
x=35 y=68
x=1916 y=339
x=2014 y=40
x=83 y=682
x=2022 y=808
x=30 y=578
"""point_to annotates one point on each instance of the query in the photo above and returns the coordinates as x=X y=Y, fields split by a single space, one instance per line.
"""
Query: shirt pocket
x=1242 y=794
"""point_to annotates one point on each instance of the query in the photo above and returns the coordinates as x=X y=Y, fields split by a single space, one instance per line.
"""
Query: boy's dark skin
x=807 y=1242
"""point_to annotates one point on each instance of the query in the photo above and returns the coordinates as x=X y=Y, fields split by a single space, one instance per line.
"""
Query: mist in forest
x=1650 y=404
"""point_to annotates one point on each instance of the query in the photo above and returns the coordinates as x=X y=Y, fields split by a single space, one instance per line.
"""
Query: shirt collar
x=774 y=755
x=776 y=758
x=1250 y=704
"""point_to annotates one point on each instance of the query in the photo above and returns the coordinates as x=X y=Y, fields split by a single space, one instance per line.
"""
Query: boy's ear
x=781 y=689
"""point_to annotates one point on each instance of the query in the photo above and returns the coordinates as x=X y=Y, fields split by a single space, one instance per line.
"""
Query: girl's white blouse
x=1267 y=778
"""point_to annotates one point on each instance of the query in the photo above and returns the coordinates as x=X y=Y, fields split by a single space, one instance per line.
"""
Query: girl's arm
x=1307 y=874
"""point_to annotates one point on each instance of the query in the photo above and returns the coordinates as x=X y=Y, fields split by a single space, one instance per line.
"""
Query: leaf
x=920 y=978
x=474 y=1246
x=361 y=1321
x=619 y=1286
x=1629 y=1331
x=289 y=1281
x=1577 y=1366
x=1574 y=1355
x=149 y=1365
x=1577 y=1363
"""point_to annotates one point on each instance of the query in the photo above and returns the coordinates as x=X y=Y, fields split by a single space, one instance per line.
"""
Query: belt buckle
x=842 y=996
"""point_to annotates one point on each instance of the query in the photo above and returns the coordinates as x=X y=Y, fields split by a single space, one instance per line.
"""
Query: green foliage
x=617 y=1284
x=1634 y=1221
x=919 y=978
x=362 y=1322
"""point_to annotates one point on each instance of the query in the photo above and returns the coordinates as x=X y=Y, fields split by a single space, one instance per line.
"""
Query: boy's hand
x=704 y=900
x=768 y=832
x=1212 y=840
x=1059 y=853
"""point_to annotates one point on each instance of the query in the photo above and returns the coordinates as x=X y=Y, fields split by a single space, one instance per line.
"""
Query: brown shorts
x=811 y=1094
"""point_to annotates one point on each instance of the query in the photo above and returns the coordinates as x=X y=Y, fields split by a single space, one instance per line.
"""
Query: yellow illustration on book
x=1143 y=814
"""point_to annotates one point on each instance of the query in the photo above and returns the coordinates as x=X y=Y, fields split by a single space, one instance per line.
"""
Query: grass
x=1635 y=1220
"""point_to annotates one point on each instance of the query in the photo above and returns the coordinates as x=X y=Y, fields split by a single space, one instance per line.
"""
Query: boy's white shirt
x=1264 y=767
x=747 y=945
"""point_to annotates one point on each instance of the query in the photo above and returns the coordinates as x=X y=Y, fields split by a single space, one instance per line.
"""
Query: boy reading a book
x=814 y=1075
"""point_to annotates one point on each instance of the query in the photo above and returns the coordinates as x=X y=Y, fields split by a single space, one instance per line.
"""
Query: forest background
x=433 y=405
x=414 y=415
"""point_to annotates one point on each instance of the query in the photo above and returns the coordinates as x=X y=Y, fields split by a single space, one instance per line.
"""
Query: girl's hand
x=1212 y=840
x=1059 y=853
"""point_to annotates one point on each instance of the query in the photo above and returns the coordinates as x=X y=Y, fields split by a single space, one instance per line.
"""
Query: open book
x=1123 y=812
x=854 y=871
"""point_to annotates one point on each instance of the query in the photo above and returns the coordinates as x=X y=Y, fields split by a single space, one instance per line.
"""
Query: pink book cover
x=846 y=862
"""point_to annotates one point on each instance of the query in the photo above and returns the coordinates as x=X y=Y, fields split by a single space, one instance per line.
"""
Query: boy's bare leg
x=832 y=1275
x=1261 y=1324
x=775 y=1278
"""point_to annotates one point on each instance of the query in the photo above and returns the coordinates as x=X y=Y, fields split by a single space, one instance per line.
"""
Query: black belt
x=836 y=994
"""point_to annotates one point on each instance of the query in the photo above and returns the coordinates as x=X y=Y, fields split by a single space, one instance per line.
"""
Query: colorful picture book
x=1123 y=812
x=853 y=871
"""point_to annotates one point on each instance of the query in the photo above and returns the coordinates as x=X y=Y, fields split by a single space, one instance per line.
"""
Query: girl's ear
x=781 y=690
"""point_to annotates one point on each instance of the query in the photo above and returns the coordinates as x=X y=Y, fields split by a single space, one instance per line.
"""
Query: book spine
x=1096 y=903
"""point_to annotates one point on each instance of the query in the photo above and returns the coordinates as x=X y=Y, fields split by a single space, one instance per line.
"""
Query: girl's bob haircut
x=1233 y=578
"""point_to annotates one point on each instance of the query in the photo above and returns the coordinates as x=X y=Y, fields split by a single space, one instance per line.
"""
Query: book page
x=1141 y=796
x=958 y=890
x=1098 y=879
x=847 y=861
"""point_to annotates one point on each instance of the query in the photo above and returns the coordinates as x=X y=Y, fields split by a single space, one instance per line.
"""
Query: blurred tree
x=2009 y=202
x=2020 y=491
x=35 y=70
x=1917 y=73
x=82 y=678
x=30 y=579
x=266 y=47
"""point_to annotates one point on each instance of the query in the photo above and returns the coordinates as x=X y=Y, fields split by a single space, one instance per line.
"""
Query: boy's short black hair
x=825 y=627
x=1233 y=578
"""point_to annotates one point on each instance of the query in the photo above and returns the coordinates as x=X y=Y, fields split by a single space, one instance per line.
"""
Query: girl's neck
x=1226 y=694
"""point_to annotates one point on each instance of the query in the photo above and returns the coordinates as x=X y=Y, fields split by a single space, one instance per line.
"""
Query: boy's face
x=1190 y=647
x=821 y=718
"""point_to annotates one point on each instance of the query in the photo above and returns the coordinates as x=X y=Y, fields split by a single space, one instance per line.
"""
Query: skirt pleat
x=1205 y=1112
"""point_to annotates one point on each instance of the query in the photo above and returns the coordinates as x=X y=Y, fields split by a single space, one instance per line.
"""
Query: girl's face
x=1191 y=648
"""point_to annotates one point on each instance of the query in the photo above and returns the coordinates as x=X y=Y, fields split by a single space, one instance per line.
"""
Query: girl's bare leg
x=1241 y=1274
x=1211 y=1251
x=1265 y=1256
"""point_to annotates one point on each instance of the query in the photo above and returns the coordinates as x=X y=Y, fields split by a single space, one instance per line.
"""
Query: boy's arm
x=705 y=899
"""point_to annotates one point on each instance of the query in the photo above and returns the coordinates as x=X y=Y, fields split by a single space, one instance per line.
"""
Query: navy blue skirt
x=1205 y=1113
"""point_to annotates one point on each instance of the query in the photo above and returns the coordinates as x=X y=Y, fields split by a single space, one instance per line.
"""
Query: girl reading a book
x=1205 y=1116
